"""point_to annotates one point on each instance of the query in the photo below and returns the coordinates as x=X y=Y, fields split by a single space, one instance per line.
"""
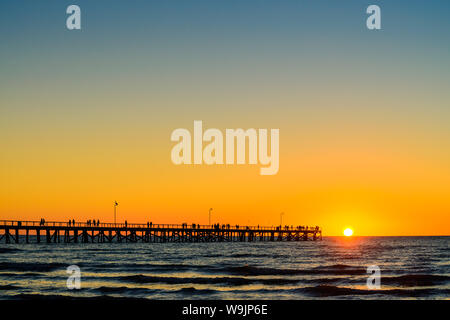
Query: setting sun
x=348 y=232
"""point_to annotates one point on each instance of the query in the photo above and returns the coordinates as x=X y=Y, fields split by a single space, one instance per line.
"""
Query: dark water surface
x=411 y=268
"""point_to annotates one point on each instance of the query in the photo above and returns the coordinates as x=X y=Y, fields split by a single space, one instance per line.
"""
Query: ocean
x=335 y=268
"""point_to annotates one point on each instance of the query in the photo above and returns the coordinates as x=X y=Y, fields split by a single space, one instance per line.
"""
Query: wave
x=319 y=291
x=257 y=255
x=193 y=291
x=146 y=291
x=9 y=250
x=170 y=267
x=37 y=296
x=37 y=267
x=20 y=275
x=123 y=289
x=246 y=270
x=243 y=255
x=8 y=287
x=416 y=280
x=338 y=269
x=205 y=280
x=329 y=291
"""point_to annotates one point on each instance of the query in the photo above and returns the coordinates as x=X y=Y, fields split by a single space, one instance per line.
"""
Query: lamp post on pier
x=115 y=205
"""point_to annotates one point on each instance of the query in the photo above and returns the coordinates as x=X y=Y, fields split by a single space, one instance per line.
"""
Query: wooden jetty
x=13 y=231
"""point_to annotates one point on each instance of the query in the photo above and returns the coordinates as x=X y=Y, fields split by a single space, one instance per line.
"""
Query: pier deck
x=14 y=231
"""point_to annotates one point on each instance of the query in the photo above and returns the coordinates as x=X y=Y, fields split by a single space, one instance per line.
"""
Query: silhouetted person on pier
x=98 y=222
x=126 y=223
x=148 y=224
x=73 y=222
x=69 y=223
x=151 y=224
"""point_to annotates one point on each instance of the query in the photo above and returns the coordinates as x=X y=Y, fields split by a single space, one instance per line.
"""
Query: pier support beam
x=7 y=235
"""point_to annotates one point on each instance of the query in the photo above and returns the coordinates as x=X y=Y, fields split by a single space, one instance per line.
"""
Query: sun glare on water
x=348 y=232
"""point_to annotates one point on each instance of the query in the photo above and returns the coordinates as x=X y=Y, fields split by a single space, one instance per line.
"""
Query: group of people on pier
x=93 y=223
x=88 y=223
x=216 y=226
x=298 y=228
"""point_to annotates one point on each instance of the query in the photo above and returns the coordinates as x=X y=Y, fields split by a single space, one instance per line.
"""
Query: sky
x=86 y=115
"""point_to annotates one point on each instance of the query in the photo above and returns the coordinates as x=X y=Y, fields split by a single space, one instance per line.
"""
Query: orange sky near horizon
x=376 y=188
